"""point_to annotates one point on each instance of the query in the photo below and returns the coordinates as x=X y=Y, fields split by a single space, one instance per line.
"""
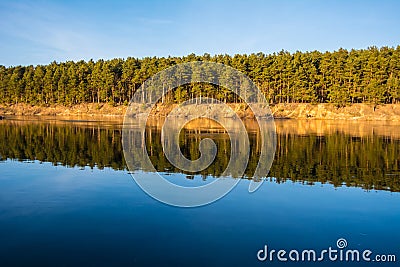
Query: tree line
x=341 y=77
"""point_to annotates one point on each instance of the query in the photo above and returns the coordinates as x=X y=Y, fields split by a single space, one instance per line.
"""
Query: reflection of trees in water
x=369 y=161
x=67 y=145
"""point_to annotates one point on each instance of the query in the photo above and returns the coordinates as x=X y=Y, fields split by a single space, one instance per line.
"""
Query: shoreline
x=362 y=112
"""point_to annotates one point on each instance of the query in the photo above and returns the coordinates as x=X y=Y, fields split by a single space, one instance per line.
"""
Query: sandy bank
x=284 y=111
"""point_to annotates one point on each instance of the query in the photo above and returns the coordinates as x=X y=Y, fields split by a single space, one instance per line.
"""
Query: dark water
x=67 y=199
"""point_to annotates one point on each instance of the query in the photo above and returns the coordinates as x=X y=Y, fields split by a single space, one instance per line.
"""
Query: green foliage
x=358 y=76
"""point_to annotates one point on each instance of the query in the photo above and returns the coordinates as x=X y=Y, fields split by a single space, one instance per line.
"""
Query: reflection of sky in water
x=56 y=215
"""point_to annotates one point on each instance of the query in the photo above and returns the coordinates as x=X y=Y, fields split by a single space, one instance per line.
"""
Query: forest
x=341 y=77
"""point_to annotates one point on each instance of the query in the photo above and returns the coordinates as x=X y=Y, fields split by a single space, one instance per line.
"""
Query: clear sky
x=38 y=32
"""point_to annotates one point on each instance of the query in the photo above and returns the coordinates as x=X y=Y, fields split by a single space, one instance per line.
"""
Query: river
x=68 y=199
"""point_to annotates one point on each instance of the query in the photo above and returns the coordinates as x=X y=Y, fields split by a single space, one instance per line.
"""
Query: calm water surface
x=67 y=199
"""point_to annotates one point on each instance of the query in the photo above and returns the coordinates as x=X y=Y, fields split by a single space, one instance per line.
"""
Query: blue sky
x=38 y=32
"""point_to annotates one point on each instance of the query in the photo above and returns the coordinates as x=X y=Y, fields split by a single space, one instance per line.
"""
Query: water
x=66 y=198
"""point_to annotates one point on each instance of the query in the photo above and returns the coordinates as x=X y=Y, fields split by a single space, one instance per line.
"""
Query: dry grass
x=296 y=111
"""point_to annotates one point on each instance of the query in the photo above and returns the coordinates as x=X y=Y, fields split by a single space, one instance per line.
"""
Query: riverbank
x=282 y=111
